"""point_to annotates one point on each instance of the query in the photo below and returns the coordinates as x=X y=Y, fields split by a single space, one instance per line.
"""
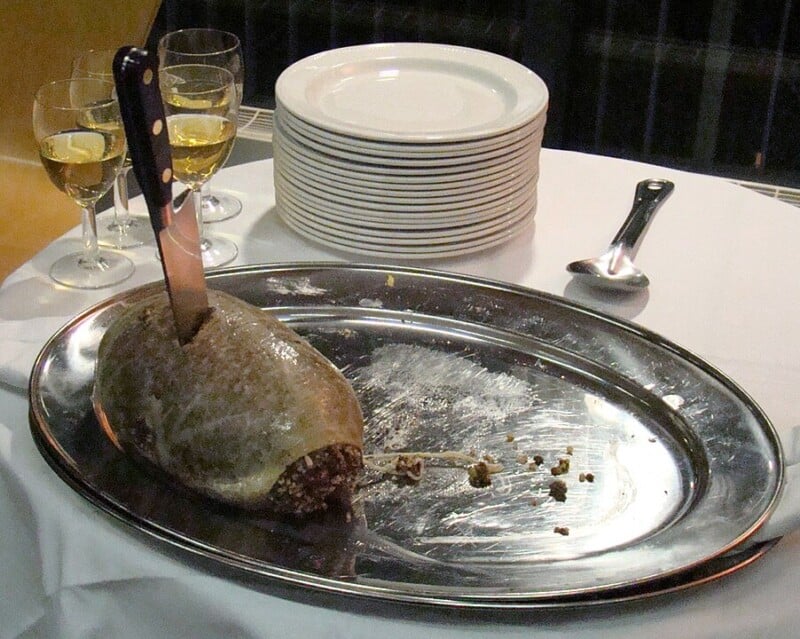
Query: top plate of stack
x=438 y=144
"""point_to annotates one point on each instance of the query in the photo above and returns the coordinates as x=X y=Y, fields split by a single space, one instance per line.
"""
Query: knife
x=177 y=234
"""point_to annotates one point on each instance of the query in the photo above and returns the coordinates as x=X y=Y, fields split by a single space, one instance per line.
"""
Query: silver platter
x=685 y=466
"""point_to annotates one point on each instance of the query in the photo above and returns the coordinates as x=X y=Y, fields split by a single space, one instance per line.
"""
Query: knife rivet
x=166 y=176
x=147 y=76
x=158 y=126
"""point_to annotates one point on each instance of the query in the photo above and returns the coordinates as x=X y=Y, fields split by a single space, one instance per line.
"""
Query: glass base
x=219 y=206
x=121 y=236
x=217 y=251
x=76 y=272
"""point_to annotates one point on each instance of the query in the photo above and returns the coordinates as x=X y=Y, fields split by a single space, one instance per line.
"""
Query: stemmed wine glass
x=215 y=48
x=200 y=106
x=124 y=231
x=81 y=140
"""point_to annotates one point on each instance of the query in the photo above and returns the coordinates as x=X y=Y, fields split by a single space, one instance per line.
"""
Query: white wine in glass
x=200 y=107
x=124 y=231
x=217 y=48
x=81 y=141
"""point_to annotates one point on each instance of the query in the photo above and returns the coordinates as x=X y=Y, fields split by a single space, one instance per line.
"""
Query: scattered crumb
x=489 y=459
x=538 y=460
x=570 y=450
x=390 y=280
x=652 y=440
x=534 y=502
x=522 y=458
x=479 y=475
x=561 y=530
x=589 y=477
x=562 y=468
x=510 y=437
x=409 y=467
x=558 y=490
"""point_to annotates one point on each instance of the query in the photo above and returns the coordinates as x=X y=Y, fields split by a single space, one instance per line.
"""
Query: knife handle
x=136 y=79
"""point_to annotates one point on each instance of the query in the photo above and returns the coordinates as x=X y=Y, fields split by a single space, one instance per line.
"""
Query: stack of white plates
x=408 y=150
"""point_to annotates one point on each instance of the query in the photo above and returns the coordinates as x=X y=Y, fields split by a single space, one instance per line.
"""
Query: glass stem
x=197 y=196
x=205 y=190
x=91 y=253
x=122 y=216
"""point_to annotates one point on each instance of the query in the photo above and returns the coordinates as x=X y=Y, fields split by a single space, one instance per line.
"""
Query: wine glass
x=200 y=106
x=214 y=48
x=81 y=140
x=124 y=231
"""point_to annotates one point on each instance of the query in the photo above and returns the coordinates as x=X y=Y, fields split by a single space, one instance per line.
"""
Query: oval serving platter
x=628 y=463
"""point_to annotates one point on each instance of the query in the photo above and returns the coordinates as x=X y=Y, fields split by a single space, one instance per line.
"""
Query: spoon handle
x=649 y=195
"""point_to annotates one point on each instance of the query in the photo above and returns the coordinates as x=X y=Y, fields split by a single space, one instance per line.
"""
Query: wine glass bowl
x=211 y=47
x=200 y=107
x=123 y=231
x=78 y=129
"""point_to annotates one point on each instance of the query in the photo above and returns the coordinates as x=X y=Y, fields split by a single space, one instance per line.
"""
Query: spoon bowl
x=614 y=269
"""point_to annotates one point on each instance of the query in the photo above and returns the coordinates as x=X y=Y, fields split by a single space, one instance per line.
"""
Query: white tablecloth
x=720 y=259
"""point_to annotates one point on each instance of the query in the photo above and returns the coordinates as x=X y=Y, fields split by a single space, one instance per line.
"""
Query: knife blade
x=176 y=230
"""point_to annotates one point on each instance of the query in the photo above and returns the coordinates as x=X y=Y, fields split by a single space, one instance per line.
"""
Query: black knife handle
x=136 y=78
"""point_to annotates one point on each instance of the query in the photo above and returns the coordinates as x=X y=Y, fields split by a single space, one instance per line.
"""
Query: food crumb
x=561 y=530
x=558 y=490
x=570 y=450
x=562 y=467
x=510 y=437
x=479 y=475
x=534 y=502
x=538 y=460
x=589 y=477
x=522 y=458
x=390 y=280
x=409 y=468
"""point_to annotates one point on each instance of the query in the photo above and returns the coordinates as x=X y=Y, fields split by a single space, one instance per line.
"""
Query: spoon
x=614 y=269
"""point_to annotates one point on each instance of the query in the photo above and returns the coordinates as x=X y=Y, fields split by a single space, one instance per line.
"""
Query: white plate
x=372 y=172
x=401 y=149
x=407 y=227
x=412 y=92
x=373 y=183
x=400 y=160
x=474 y=199
x=433 y=251
x=393 y=168
x=398 y=237
x=367 y=210
x=340 y=191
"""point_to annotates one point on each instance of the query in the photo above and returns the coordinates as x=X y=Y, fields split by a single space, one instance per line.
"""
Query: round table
x=720 y=259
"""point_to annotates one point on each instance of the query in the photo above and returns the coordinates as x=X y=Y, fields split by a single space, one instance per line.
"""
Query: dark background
x=705 y=85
